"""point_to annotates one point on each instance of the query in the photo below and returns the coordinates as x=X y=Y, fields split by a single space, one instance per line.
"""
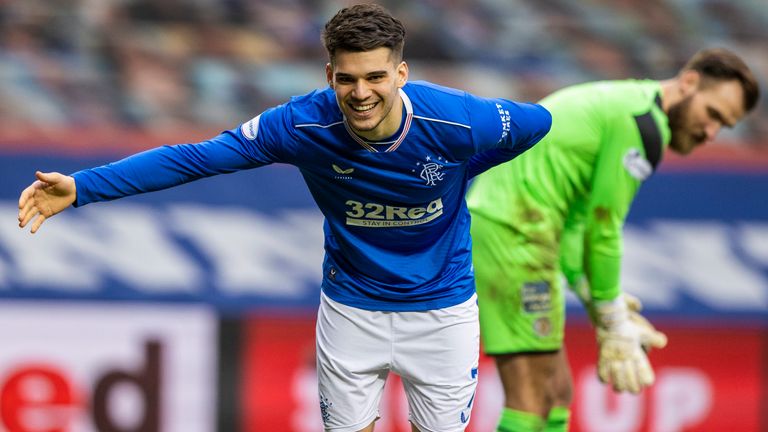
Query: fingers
x=29 y=216
x=622 y=360
x=36 y=224
x=649 y=336
x=49 y=178
x=645 y=375
x=26 y=217
x=627 y=375
x=25 y=196
x=621 y=374
x=640 y=376
x=30 y=202
x=604 y=371
x=623 y=365
x=629 y=380
x=27 y=207
x=656 y=339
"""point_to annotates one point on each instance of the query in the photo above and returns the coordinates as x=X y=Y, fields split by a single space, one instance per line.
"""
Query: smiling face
x=706 y=109
x=366 y=85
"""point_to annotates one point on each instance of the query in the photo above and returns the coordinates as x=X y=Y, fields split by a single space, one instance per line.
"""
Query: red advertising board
x=708 y=379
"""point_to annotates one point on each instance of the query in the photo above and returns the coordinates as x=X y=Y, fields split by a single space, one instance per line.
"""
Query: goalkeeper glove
x=649 y=336
x=623 y=336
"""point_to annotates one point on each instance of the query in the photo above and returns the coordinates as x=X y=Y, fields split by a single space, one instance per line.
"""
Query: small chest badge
x=637 y=165
x=430 y=170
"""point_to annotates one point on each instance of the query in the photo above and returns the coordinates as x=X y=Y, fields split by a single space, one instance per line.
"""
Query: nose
x=712 y=130
x=361 y=90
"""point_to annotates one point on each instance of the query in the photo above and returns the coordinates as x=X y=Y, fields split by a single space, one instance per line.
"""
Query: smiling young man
x=561 y=208
x=387 y=162
x=366 y=92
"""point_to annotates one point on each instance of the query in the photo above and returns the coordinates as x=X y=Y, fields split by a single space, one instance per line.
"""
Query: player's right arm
x=148 y=171
x=156 y=169
x=164 y=167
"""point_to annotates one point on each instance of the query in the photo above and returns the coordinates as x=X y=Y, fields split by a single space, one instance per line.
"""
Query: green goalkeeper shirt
x=606 y=138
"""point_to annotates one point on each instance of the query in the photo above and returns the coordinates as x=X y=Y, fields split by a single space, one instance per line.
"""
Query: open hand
x=50 y=194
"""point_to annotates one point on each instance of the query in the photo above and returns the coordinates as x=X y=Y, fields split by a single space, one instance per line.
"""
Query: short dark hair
x=720 y=64
x=363 y=27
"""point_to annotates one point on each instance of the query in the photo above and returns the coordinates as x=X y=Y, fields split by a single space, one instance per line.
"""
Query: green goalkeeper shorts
x=519 y=287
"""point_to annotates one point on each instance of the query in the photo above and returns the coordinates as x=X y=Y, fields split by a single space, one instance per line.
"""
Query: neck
x=671 y=94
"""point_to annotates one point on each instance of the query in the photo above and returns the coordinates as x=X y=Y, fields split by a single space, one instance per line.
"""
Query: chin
x=365 y=126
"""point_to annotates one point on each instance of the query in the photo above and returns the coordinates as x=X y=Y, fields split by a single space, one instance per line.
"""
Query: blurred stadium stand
x=158 y=65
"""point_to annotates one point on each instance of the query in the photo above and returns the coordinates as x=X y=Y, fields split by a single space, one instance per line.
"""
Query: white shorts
x=435 y=353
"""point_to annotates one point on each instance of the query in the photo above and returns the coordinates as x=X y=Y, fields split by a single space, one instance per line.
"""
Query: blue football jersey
x=396 y=223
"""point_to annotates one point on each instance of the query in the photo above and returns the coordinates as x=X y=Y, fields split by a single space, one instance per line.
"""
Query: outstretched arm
x=50 y=194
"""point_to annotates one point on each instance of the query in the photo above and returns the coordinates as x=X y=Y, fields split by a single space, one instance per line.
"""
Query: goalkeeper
x=561 y=207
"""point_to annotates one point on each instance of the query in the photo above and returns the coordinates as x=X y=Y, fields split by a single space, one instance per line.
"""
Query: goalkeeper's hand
x=649 y=336
x=623 y=337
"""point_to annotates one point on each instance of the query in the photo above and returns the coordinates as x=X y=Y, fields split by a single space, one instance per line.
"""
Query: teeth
x=363 y=107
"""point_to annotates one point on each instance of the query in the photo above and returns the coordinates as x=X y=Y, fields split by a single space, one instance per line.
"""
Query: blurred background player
x=561 y=208
x=387 y=164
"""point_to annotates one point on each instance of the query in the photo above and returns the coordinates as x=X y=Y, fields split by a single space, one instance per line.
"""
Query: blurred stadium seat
x=157 y=65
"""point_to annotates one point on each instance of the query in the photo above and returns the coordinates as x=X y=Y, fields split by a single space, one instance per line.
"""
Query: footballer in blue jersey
x=387 y=163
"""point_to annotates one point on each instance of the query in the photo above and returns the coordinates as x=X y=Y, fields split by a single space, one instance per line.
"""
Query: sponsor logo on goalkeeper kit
x=636 y=164
x=375 y=215
x=537 y=297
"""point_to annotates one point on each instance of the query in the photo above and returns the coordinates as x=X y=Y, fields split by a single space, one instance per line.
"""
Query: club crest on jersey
x=430 y=170
x=636 y=164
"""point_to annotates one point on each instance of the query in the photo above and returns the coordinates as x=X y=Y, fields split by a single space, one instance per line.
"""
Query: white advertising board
x=100 y=366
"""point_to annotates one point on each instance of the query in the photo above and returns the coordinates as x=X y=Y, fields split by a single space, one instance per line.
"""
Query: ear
x=402 y=74
x=329 y=74
x=689 y=82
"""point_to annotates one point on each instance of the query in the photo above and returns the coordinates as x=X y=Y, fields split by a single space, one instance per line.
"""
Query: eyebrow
x=720 y=117
x=369 y=74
